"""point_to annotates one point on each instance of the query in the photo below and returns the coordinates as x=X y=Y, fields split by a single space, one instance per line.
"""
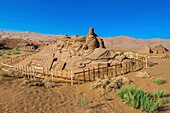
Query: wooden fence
x=86 y=75
x=15 y=60
x=91 y=74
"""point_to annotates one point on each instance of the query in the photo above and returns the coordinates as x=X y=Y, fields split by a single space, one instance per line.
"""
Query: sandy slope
x=15 y=98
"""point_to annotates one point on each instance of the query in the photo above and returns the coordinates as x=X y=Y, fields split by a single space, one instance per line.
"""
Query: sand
x=15 y=98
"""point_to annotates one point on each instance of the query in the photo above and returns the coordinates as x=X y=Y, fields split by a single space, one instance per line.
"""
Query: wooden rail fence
x=86 y=75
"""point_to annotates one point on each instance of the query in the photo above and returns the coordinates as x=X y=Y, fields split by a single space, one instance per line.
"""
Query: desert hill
x=129 y=42
x=29 y=36
x=114 y=42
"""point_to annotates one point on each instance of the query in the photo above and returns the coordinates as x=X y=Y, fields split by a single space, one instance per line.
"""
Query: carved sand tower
x=74 y=53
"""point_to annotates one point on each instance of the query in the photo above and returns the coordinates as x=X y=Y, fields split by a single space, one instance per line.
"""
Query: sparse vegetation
x=159 y=80
x=38 y=82
x=49 y=84
x=164 y=101
x=3 y=73
x=159 y=94
x=82 y=102
x=107 y=98
x=137 y=98
x=29 y=50
x=15 y=51
x=10 y=52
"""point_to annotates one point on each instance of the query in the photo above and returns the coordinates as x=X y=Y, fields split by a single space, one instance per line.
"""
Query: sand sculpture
x=157 y=50
x=74 y=53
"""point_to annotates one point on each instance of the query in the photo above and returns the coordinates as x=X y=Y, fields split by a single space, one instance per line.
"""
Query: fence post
x=66 y=75
x=146 y=60
x=71 y=78
x=107 y=70
x=116 y=69
x=84 y=75
x=93 y=73
x=103 y=72
x=126 y=67
x=11 y=62
x=98 y=71
x=52 y=74
x=89 y=73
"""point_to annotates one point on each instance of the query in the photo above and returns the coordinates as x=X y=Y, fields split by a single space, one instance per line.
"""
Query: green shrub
x=2 y=53
x=15 y=51
x=3 y=73
x=159 y=94
x=159 y=80
x=82 y=102
x=164 y=101
x=137 y=98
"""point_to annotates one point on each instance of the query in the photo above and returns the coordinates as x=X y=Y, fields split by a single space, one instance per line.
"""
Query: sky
x=144 y=19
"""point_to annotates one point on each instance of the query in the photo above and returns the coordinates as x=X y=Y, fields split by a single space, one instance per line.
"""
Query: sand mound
x=108 y=85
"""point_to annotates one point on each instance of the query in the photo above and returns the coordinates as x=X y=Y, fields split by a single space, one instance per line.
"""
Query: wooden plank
x=7 y=65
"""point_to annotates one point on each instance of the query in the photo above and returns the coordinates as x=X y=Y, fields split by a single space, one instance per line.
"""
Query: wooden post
x=34 y=72
x=71 y=78
x=77 y=79
x=61 y=73
x=66 y=75
x=98 y=71
x=107 y=73
x=126 y=67
x=116 y=69
x=11 y=62
x=89 y=73
x=43 y=72
x=84 y=76
x=129 y=66
x=146 y=60
x=93 y=73
x=51 y=74
x=103 y=72
x=56 y=73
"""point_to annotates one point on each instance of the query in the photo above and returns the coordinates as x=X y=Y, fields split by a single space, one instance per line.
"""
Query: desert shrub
x=164 y=101
x=159 y=94
x=82 y=102
x=15 y=51
x=49 y=84
x=137 y=98
x=159 y=80
x=10 y=52
x=107 y=98
x=2 y=53
x=3 y=73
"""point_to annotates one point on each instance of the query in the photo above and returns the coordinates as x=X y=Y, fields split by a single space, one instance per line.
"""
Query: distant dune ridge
x=129 y=42
x=115 y=42
x=29 y=36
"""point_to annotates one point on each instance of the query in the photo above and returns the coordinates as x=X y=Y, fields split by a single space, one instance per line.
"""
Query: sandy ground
x=15 y=98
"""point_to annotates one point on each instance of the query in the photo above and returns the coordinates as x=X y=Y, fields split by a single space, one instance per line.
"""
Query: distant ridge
x=129 y=42
x=111 y=42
